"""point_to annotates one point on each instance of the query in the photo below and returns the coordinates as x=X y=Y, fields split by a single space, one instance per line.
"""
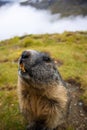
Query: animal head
x=38 y=68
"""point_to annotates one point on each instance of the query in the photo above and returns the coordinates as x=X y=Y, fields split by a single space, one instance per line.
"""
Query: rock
x=80 y=103
x=64 y=7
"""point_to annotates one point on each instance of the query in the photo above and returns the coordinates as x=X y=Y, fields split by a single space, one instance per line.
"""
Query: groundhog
x=43 y=98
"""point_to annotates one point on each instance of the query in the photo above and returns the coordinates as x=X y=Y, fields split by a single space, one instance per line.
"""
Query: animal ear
x=46 y=58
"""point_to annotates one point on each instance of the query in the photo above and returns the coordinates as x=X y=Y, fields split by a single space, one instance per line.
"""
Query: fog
x=16 y=20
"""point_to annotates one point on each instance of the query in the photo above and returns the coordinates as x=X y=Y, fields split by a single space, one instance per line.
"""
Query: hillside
x=3 y=3
x=64 y=7
x=69 y=50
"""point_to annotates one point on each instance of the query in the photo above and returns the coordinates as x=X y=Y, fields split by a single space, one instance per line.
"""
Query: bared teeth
x=22 y=67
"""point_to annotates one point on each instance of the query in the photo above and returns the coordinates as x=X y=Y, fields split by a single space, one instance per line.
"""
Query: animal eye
x=46 y=58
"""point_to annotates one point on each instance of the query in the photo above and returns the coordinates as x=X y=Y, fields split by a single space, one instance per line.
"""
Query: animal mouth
x=22 y=68
x=22 y=71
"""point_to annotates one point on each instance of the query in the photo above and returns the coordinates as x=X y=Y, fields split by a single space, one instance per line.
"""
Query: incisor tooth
x=22 y=67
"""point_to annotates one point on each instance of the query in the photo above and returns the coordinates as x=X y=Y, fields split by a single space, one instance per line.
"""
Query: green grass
x=69 y=47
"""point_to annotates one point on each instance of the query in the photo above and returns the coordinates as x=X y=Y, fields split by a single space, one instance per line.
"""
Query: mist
x=16 y=20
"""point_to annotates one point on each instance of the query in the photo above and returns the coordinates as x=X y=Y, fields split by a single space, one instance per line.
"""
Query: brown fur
x=42 y=96
x=49 y=104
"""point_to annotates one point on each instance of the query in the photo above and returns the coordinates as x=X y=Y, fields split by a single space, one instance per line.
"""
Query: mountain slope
x=64 y=7
x=3 y=2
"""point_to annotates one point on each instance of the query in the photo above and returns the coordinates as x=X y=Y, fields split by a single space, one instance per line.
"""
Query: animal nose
x=20 y=61
x=25 y=54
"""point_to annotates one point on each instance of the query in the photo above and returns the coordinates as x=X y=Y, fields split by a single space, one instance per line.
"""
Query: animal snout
x=20 y=61
x=25 y=55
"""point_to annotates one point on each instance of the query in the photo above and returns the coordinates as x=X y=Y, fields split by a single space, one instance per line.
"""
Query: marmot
x=43 y=98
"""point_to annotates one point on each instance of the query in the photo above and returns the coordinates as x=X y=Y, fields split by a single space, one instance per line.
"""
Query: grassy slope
x=69 y=7
x=68 y=48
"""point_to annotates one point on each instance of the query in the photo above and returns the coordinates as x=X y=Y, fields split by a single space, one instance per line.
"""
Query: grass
x=69 y=48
